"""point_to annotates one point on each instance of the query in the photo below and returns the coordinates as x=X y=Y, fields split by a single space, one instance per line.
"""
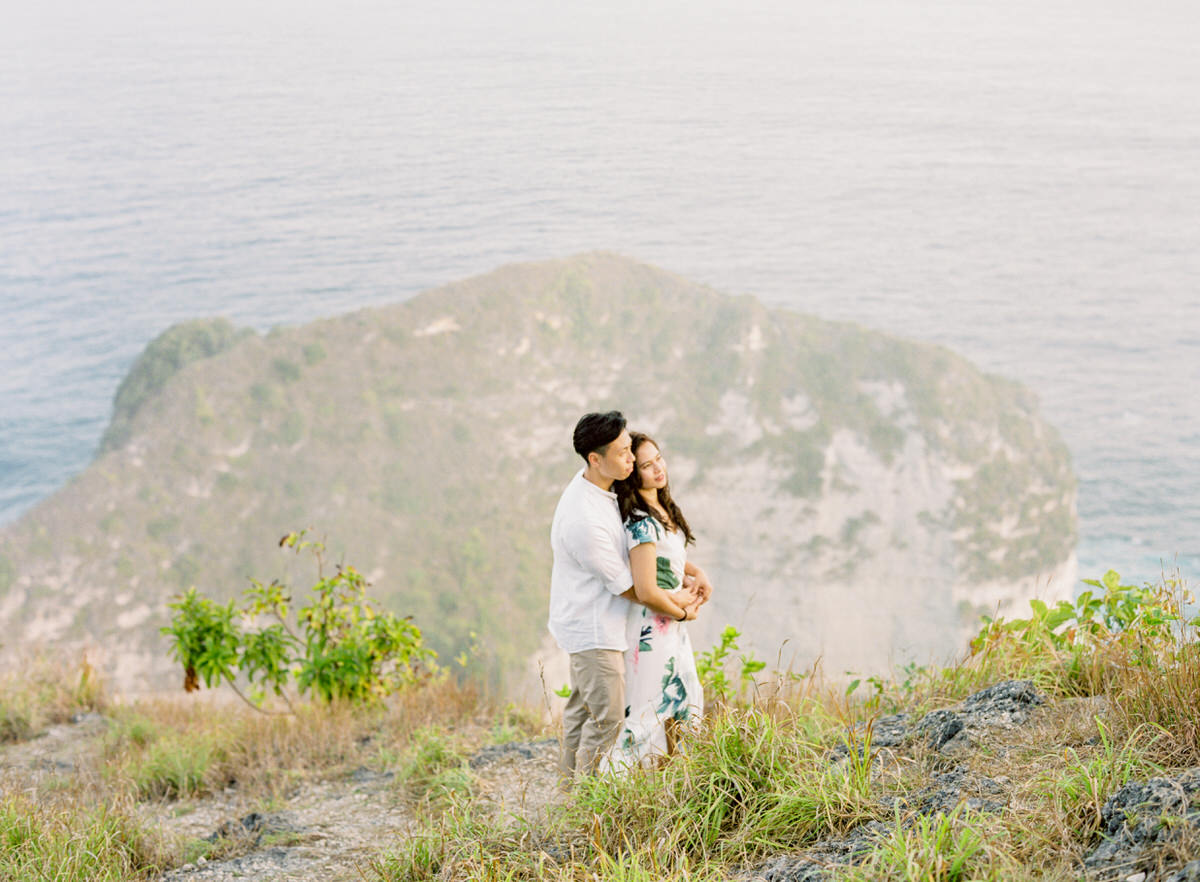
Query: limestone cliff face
x=855 y=496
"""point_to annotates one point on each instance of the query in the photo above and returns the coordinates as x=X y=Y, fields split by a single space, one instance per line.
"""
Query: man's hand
x=688 y=592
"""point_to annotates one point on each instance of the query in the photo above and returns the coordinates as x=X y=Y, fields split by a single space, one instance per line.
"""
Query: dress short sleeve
x=641 y=531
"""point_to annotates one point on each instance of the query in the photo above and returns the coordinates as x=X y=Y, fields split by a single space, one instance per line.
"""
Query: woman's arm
x=644 y=564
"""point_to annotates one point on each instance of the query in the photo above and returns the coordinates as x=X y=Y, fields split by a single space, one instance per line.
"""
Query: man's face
x=616 y=463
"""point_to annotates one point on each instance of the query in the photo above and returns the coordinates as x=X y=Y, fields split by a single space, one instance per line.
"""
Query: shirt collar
x=609 y=493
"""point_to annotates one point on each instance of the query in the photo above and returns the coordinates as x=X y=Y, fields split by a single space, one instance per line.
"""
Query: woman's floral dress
x=661 y=683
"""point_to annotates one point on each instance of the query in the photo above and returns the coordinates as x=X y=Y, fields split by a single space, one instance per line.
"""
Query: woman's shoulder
x=642 y=527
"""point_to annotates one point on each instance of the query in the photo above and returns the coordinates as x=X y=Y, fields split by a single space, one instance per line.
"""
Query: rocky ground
x=330 y=828
x=325 y=829
x=1151 y=828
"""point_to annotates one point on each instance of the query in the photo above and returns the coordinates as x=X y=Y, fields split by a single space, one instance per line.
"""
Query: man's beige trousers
x=595 y=710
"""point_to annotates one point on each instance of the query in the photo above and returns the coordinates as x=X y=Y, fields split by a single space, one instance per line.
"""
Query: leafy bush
x=336 y=646
x=1146 y=613
x=719 y=685
x=1077 y=647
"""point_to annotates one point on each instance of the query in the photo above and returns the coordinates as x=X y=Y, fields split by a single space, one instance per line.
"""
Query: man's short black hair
x=595 y=431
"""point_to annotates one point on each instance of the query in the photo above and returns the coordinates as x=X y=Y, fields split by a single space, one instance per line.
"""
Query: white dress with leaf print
x=661 y=682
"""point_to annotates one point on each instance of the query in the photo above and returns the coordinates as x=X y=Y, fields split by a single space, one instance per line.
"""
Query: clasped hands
x=694 y=593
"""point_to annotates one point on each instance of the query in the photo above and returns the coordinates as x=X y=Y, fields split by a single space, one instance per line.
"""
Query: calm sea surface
x=1019 y=181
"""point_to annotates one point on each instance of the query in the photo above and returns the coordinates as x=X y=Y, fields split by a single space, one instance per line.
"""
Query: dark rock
x=791 y=869
x=1007 y=703
x=1157 y=796
x=939 y=727
x=822 y=860
x=90 y=718
x=254 y=825
x=563 y=851
x=952 y=789
x=55 y=765
x=1133 y=827
x=363 y=775
x=521 y=749
x=890 y=731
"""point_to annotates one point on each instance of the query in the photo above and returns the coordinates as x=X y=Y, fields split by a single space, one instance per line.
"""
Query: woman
x=662 y=688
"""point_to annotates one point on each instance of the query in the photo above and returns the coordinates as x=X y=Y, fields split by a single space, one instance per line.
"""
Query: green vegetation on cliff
x=169 y=353
x=428 y=442
x=1066 y=745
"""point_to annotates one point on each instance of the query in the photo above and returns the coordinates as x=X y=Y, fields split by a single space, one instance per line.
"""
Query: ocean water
x=1017 y=181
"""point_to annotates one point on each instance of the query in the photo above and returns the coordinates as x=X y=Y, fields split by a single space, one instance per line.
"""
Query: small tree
x=336 y=646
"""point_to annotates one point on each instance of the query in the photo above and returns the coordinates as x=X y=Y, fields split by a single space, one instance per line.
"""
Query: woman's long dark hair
x=633 y=506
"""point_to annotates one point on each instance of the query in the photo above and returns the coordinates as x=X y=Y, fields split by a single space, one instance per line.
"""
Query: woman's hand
x=697 y=579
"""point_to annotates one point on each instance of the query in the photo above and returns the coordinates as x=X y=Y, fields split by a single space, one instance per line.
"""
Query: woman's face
x=650 y=467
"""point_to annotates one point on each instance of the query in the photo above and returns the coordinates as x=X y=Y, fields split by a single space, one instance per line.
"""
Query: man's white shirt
x=591 y=569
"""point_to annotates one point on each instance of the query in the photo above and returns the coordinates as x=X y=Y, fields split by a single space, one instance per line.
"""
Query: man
x=590 y=591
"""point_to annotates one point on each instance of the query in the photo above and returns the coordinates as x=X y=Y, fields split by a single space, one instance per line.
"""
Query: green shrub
x=129 y=729
x=314 y=352
x=712 y=667
x=1076 y=648
x=166 y=355
x=336 y=646
x=286 y=369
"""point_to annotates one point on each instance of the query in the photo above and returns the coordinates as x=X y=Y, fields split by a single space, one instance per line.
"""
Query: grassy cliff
x=1067 y=746
x=427 y=442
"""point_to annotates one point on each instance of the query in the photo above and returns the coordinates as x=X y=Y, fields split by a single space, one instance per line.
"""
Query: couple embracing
x=620 y=593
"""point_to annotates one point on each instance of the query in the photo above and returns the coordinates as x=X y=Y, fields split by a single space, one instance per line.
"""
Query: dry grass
x=763 y=778
x=182 y=747
x=77 y=840
x=86 y=825
x=41 y=691
x=1164 y=694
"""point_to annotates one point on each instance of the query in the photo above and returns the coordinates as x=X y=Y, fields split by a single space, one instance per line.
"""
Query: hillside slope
x=855 y=496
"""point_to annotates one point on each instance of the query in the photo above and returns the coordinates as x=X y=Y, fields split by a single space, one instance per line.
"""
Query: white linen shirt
x=591 y=570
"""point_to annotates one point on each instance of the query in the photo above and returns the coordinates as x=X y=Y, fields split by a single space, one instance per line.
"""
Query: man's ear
x=593 y=459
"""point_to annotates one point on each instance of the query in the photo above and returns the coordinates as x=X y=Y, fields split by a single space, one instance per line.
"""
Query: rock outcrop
x=1141 y=821
x=856 y=497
